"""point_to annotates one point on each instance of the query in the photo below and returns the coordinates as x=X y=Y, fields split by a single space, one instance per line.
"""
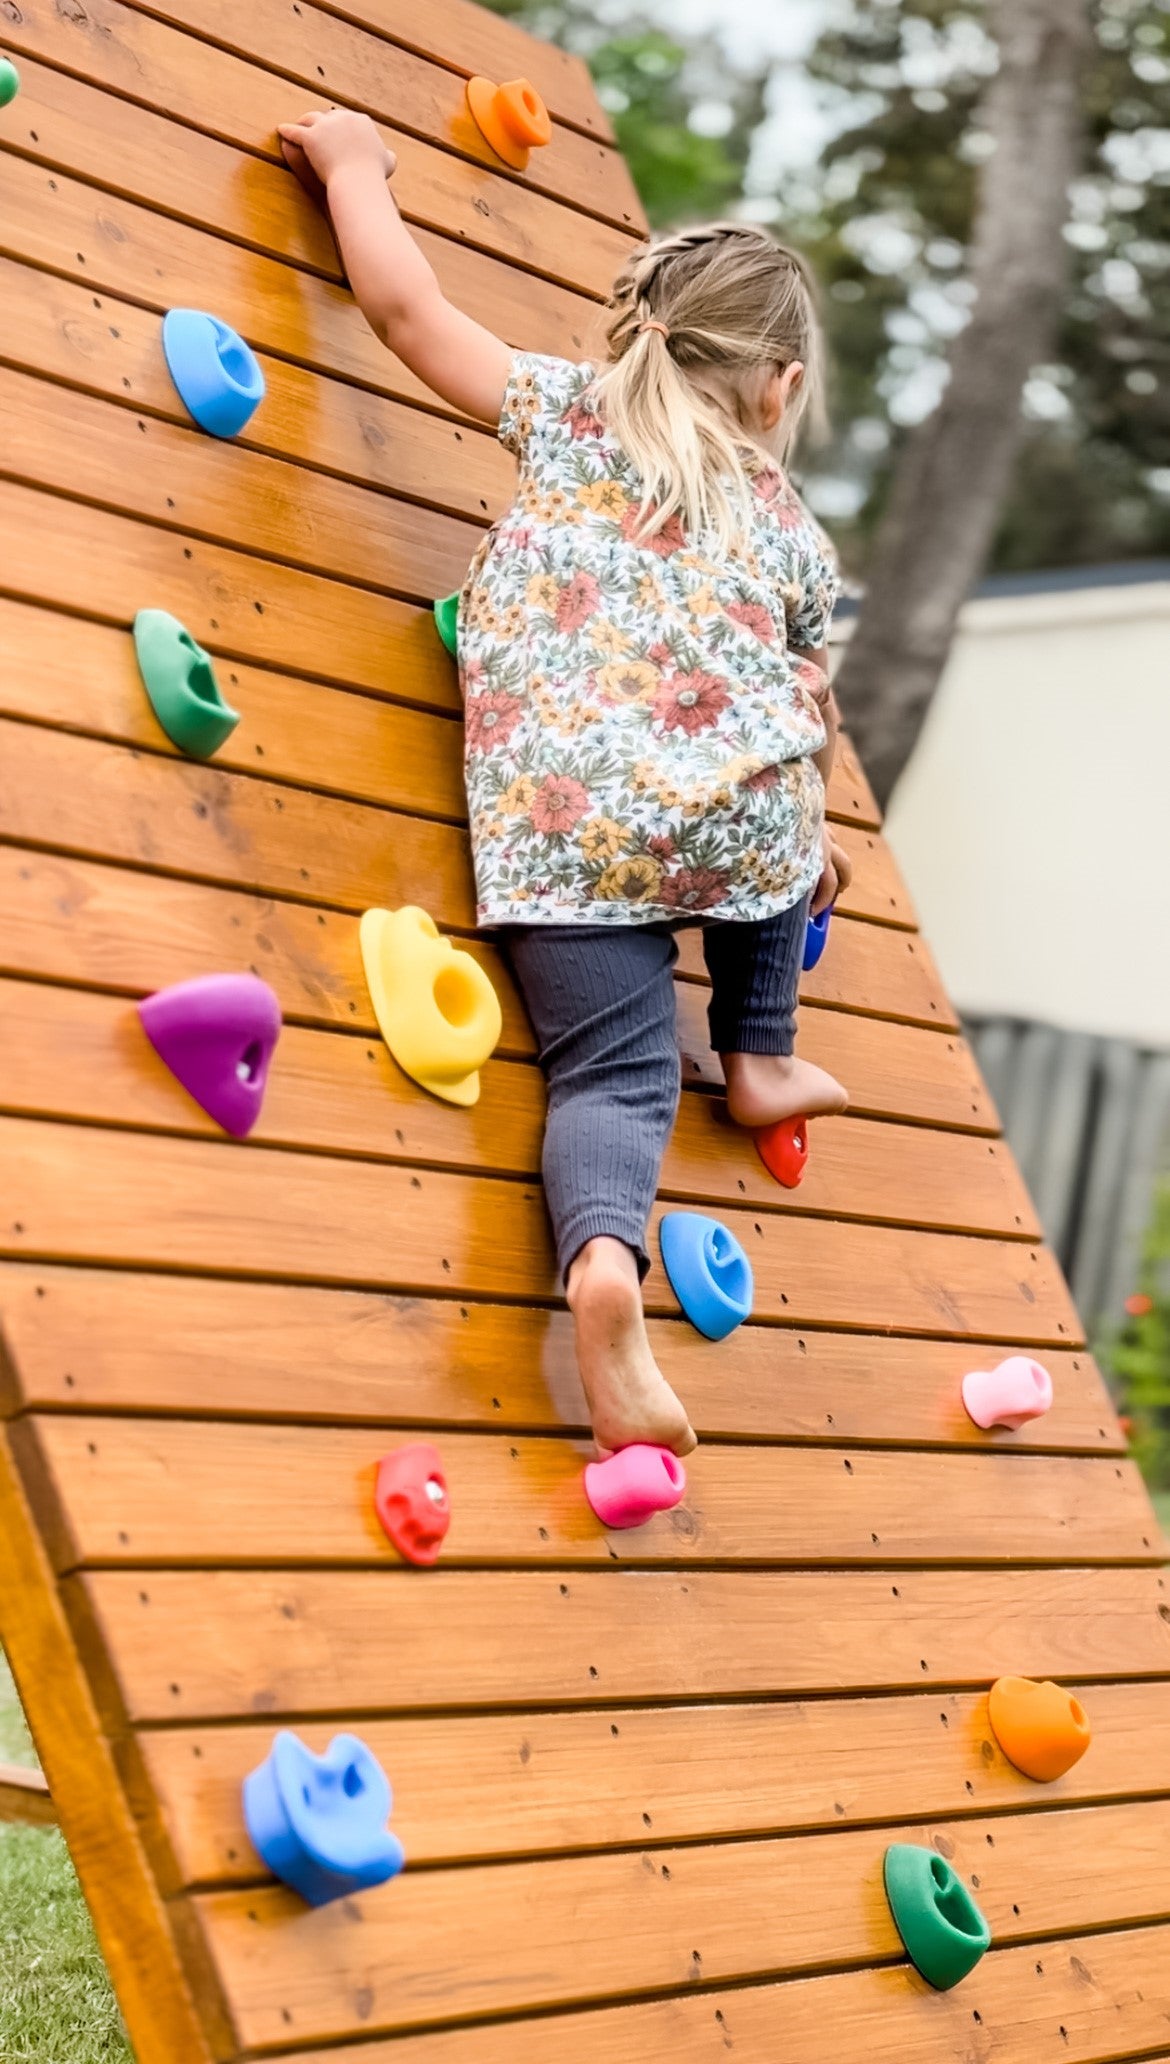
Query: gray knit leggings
x=601 y=1001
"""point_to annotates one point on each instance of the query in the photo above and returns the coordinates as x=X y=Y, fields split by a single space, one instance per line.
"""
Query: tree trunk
x=938 y=526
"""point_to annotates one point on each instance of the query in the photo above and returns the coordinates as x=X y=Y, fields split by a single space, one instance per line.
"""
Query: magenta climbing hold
x=217 y=1035
x=1018 y=1390
x=628 y=1488
x=412 y=1501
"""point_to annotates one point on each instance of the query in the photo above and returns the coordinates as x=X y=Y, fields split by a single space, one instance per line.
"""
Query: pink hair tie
x=651 y=325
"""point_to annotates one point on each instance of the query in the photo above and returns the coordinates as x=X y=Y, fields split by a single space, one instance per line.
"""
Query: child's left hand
x=836 y=873
x=326 y=139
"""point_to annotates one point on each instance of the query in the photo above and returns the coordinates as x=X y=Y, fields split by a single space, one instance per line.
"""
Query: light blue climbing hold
x=709 y=1272
x=319 y=1822
x=217 y=374
x=816 y=938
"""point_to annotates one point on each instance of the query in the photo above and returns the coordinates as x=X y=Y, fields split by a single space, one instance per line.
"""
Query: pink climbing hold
x=628 y=1488
x=217 y=1035
x=1018 y=1390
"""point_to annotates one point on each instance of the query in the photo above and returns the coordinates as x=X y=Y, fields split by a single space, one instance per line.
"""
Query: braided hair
x=700 y=321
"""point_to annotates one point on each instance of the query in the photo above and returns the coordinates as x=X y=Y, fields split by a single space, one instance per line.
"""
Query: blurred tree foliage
x=886 y=216
x=1140 y=1356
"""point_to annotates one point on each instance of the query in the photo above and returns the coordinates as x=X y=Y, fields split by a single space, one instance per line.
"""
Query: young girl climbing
x=649 y=725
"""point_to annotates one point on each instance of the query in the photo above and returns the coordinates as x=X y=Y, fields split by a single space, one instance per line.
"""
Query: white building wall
x=1033 y=823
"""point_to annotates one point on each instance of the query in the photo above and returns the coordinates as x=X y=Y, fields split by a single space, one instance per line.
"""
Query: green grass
x=56 y=2004
x=1162 y=1508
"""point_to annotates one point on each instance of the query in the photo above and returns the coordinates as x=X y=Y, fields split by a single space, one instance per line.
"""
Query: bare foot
x=629 y=1397
x=764 y=1088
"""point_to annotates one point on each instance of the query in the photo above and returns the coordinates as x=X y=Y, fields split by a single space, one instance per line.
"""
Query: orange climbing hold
x=513 y=118
x=1041 y=1728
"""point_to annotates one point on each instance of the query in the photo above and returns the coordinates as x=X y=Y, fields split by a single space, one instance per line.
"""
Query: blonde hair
x=702 y=319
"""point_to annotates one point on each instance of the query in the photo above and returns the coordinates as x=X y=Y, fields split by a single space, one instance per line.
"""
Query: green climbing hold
x=447 y=619
x=943 y=1930
x=9 y=81
x=180 y=681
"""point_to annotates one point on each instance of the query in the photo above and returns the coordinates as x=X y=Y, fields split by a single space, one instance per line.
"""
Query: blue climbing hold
x=816 y=938
x=709 y=1272
x=217 y=375
x=319 y=1822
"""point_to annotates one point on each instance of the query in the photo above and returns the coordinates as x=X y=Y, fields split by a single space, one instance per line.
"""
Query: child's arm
x=341 y=160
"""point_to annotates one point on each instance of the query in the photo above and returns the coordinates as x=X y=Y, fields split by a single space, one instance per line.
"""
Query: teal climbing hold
x=447 y=619
x=180 y=681
x=9 y=81
x=943 y=1930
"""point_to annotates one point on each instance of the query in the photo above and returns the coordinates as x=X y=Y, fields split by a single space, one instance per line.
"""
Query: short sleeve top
x=639 y=730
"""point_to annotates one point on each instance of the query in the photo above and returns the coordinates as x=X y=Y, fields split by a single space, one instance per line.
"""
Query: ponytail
x=702 y=320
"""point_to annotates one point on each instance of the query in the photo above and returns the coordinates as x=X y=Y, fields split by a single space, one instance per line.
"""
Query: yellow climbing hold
x=436 y=1008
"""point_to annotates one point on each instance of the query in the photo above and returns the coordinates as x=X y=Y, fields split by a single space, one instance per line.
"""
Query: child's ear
x=790 y=383
x=772 y=401
x=780 y=393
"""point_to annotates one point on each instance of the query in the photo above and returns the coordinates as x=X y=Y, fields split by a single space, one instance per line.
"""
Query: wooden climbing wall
x=644 y=1782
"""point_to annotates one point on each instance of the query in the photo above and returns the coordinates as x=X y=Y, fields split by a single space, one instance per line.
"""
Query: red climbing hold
x=783 y=1149
x=411 y=1500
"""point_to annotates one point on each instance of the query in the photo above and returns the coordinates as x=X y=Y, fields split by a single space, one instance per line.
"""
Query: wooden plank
x=70 y=1053
x=132 y=1923
x=188 y=817
x=546 y=1934
x=83 y=676
x=197 y=1645
x=121 y=247
x=158 y=73
x=179 y=479
x=102 y=1341
x=329 y=58
x=24 y=1797
x=878 y=890
x=1087 y=2000
x=144 y=931
x=238 y=605
x=78 y=1194
x=469 y=39
x=112 y=348
x=305 y=1495
x=849 y=778
x=636 y=1775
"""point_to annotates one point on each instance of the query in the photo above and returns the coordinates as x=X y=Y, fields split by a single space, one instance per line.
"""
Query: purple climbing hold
x=217 y=1035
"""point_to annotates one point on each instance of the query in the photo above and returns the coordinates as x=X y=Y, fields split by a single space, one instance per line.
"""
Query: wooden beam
x=25 y=1797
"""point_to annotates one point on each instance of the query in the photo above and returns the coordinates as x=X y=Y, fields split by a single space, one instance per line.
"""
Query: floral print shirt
x=638 y=736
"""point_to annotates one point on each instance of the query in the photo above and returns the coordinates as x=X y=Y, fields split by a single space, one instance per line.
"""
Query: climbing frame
x=645 y=1780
